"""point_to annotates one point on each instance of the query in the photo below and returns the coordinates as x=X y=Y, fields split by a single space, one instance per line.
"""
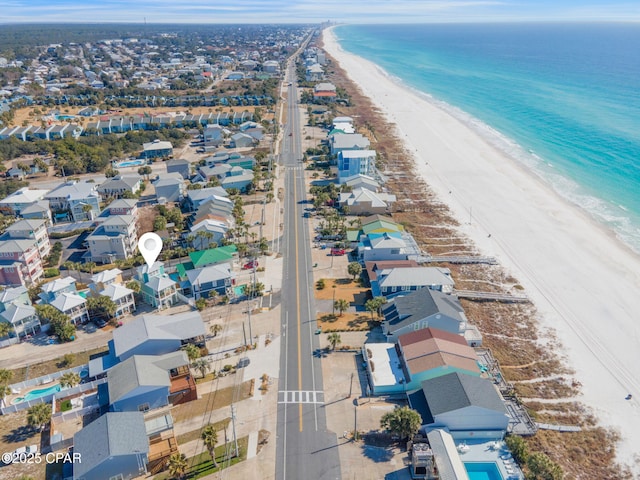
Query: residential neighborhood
x=283 y=247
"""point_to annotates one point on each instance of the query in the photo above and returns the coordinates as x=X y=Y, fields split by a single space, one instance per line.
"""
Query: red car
x=337 y=252
x=251 y=265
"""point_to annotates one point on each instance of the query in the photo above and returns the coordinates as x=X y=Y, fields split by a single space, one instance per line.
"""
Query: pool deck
x=494 y=452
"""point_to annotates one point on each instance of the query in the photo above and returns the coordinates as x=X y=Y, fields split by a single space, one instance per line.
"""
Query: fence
x=47 y=378
x=9 y=341
x=84 y=387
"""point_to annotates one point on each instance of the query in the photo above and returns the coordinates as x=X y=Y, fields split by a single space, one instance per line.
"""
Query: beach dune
x=583 y=281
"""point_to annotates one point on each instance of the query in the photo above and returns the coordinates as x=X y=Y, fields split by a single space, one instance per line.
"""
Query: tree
x=518 y=448
x=210 y=438
x=192 y=351
x=159 y=223
x=334 y=340
x=5 y=378
x=374 y=305
x=402 y=421
x=111 y=172
x=371 y=306
x=178 y=465
x=215 y=329
x=5 y=329
x=145 y=171
x=341 y=305
x=86 y=209
x=133 y=285
x=39 y=415
x=201 y=304
x=354 y=269
x=202 y=365
x=69 y=379
x=102 y=307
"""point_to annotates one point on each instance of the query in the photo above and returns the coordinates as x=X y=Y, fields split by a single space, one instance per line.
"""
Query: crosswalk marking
x=300 y=396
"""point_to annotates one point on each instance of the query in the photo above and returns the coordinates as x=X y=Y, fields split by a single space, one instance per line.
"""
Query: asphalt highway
x=305 y=449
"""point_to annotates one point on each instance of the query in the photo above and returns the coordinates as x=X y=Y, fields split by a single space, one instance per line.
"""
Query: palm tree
x=69 y=379
x=334 y=340
x=210 y=438
x=39 y=415
x=341 y=305
x=215 y=329
x=202 y=365
x=178 y=465
x=354 y=269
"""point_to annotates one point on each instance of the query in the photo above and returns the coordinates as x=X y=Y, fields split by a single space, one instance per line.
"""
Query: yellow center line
x=295 y=220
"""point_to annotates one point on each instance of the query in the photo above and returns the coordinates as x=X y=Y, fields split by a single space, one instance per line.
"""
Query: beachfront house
x=207 y=233
x=354 y=162
x=114 y=446
x=53 y=289
x=122 y=296
x=362 y=201
x=468 y=406
x=421 y=309
x=197 y=197
x=394 y=281
x=340 y=142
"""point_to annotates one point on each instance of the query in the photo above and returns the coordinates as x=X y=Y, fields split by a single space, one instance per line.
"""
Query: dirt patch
x=343 y=289
x=348 y=322
x=210 y=401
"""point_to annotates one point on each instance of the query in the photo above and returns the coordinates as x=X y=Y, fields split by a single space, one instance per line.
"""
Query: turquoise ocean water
x=563 y=99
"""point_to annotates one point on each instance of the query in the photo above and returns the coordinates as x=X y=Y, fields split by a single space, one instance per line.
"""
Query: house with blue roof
x=114 y=445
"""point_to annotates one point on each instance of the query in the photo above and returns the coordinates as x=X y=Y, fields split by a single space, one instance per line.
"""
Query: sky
x=314 y=11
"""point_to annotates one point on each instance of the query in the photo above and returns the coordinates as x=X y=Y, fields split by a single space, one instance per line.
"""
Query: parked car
x=337 y=252
x=100 y=322
x=250 y=265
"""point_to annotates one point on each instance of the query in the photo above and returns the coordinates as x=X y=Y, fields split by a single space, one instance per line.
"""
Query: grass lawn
x=210 y=401
x=45 y=368
x=345 y=323
x=201 y=465
x=195 y=434
x=345 y=288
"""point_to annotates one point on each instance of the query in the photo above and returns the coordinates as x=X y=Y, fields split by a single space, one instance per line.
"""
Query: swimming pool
x=33 y=394
x=65 y=117
x=483 y=471
x=131 y=163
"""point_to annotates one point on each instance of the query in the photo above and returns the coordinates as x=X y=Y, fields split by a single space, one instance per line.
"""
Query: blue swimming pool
x=131 y=163
x=33 y=394
x=483 y=471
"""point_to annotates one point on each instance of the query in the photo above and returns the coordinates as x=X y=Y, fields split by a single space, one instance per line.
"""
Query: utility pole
x=233 y=424
x=350 y=385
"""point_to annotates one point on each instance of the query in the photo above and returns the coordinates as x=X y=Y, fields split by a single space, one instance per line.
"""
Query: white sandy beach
x=583 y=281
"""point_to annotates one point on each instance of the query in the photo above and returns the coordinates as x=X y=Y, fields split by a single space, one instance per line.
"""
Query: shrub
x=51 y=272
x=320 y=284
x=65 y=405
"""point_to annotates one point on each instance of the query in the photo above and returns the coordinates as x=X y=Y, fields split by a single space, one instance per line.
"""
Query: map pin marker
x=150 y=245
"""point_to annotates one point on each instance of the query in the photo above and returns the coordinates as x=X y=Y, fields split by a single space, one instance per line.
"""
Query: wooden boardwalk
x=491 y=296
x=461 y=259
x=558 y=428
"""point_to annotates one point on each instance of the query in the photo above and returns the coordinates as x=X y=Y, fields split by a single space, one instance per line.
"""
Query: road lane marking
x=301 y=397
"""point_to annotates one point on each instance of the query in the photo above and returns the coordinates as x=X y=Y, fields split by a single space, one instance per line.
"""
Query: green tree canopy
x=39 y=415
x=354 y=269
x=210 y=438
x=101 y=307
x=402 y=421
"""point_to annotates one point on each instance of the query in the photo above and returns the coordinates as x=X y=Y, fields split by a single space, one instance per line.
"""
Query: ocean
x=562 y=99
